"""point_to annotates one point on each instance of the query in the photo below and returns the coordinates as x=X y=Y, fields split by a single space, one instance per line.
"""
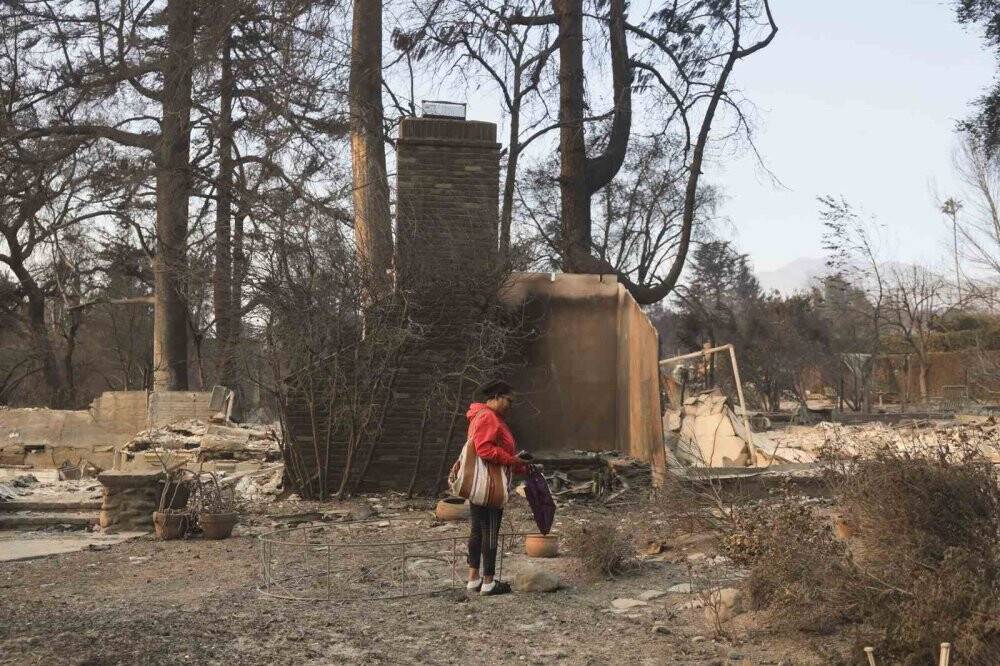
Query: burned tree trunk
x=41 y=342
x=372 y=229
x=222 y=282
x=173 y=185
x=579 y=176
x=575 y=200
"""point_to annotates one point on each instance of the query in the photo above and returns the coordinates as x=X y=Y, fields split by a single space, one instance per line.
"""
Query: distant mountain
x=793 y=277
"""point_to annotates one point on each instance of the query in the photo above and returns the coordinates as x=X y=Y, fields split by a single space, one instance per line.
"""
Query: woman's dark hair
x=495 y=389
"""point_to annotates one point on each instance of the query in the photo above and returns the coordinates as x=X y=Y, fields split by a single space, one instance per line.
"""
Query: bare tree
x=467 y=37
x=689 y=51
x=857 y=288
x=917 y=301
x=977 y=231
x=66 y=86
x=638 y=223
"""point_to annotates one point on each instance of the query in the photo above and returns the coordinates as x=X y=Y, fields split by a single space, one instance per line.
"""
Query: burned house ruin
x=580 y=351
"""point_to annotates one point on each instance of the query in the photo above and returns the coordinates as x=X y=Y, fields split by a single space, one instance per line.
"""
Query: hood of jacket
x=474 y=409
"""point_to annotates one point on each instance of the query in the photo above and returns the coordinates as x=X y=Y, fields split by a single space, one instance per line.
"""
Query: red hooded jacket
x=493 y=439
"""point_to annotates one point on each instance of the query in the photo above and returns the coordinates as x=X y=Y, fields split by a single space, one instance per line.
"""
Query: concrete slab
x=32 y=545
x=27 y=519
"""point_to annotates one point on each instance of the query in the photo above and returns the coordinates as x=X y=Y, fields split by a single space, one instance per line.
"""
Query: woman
x=494 y=443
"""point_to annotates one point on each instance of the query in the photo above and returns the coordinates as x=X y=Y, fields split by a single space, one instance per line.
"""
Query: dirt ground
x=196 y=601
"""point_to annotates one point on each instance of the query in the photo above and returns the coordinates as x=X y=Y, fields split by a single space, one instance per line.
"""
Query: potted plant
x=170 y=520
x=216 y=512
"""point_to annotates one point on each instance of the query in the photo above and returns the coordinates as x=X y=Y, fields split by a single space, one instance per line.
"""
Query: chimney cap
x=433 y=108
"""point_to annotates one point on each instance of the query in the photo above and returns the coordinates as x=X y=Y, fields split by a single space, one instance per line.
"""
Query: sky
x=856 y=98
x=853 y=98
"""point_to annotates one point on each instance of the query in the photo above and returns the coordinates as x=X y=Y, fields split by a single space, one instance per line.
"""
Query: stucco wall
x=168 y=407
x=954 y=368
x=47 y=438
x=590 y=379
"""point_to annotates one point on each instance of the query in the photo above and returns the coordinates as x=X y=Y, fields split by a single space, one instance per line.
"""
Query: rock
x=697 y=639
x=680 y=588
x=654 y=548
x=421 y=568
x=228 y=432
x=535 y=579
x=627 y=604
x=650 y=595
x=690 y=605
x=361 y=512
x=696 y=557
x=724 y=604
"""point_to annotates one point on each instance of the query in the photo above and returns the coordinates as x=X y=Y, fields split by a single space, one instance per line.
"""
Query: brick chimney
x=448 y=182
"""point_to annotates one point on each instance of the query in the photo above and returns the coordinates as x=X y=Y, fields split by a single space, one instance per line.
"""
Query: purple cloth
x=536 y=490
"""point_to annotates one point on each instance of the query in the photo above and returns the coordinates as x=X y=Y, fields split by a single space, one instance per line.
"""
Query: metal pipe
x=736 y=377
x=702 y=352
x=743 y=404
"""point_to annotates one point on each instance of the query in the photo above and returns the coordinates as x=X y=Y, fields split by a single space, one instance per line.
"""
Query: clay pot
x=170 y=525
x=452 y=508
x=541 y=545
x=217 y=525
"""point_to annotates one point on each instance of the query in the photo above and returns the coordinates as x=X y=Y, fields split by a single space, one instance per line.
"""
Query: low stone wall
x=130 y=498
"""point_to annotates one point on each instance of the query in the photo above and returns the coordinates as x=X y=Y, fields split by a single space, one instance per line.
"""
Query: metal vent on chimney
x=439 y=109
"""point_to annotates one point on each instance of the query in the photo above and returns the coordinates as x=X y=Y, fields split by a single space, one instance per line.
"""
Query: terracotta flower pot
x=452 y=508
x=217 y=525
x=170 y=525
x=541 y=545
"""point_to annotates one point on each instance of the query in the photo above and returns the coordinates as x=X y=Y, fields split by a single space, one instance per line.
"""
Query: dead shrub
x=925 y=535
x=603 y=548
x=796 y=565
x=921 y=565
x=691 y=507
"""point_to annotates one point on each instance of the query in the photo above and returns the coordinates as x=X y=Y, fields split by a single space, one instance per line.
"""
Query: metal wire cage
x=364 y=560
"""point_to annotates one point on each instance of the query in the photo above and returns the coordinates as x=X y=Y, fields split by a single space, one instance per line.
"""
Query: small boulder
x=680 y=588
x=724 y=604
x=535 y=579
x=690 y=605
x=650 y=595
x=627 y=604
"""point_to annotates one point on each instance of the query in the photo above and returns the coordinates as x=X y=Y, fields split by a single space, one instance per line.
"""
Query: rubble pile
x=260 y=486
x=710 y=434
x=920 y=438
x=199 y=441
x=707 y=432
x=605 y=475
x=14 y=488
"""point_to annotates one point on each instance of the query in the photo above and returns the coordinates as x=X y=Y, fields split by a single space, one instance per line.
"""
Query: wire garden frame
x=362 y=560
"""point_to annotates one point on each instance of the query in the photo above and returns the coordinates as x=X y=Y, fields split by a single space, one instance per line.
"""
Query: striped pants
x=484 y=537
